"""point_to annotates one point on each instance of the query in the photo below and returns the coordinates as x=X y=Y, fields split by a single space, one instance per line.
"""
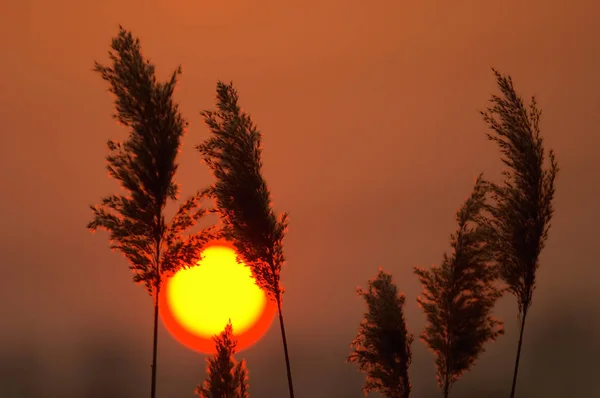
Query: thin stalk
x=155 y=337
x=285 y=349
x=155 y=346
x=447 y=378
x=449 y=339
x=446 y=387
x=514 y=381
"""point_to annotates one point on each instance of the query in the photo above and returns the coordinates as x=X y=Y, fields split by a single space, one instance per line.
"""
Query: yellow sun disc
x=203 y=298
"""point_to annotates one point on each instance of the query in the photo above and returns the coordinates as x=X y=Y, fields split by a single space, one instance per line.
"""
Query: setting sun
x=198 y=302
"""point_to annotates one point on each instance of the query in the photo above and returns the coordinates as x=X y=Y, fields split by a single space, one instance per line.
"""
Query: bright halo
x=197 y=303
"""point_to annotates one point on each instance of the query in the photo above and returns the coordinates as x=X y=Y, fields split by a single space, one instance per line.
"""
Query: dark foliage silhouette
x=522 y=209
x=225 y=378
x=145 y=166
x=382 y=346
x=233 y=153
x=460 y=294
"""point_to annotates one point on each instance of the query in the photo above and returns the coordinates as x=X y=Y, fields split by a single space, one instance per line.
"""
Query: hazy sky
x=372 y=140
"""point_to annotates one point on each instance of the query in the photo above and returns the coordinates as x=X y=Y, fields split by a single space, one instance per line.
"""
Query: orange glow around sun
x=197 y=303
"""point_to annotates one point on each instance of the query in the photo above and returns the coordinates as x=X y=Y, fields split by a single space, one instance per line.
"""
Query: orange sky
x=372 y=141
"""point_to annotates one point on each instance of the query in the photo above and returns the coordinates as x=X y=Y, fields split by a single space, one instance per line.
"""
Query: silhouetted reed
x=145 y=166
x=382 y=346
x=460 y=294
x=233 y=153
x=522 y=208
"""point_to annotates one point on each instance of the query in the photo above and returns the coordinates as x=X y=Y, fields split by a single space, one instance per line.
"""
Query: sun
x=197 y=303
